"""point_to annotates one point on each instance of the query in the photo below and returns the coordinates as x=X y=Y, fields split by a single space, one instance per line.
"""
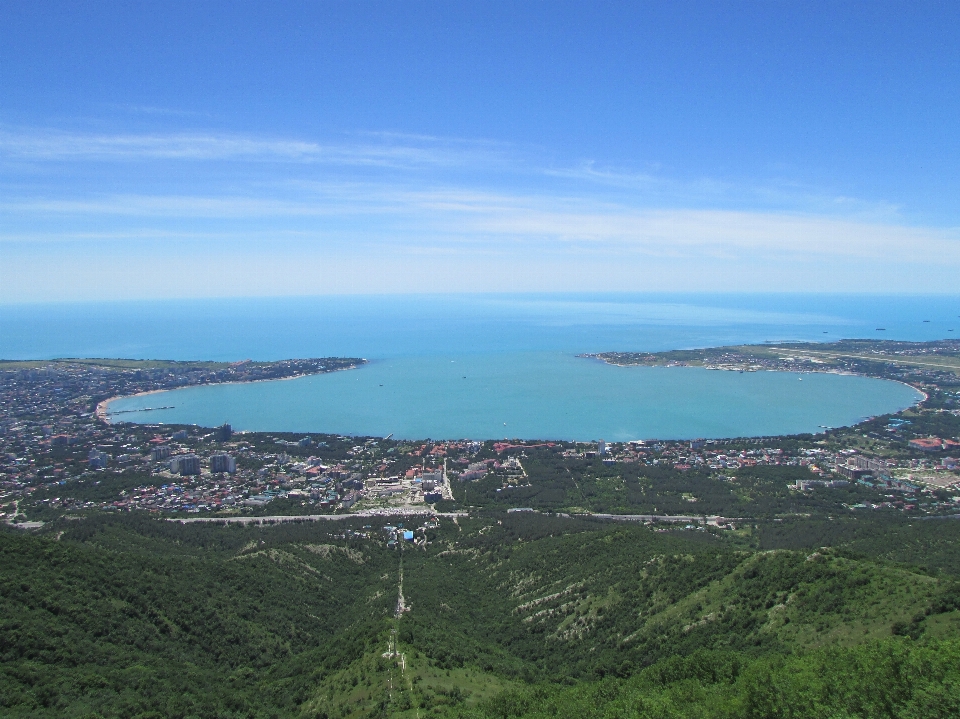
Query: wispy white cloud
x=588 y=171
x=370 y=150
x=70 y=146
x=500 y=222
x=718 y=233
x=150 y=206
x=772 y=192
x=156 y=110
x=509 y=223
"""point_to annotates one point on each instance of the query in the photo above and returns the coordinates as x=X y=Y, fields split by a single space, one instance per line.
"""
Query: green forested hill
x=139 y=618
x=504 y=616
x=892 y=678
x=611 y=600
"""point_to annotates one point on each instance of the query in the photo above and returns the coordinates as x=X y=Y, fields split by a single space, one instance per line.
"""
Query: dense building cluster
x=51 y=430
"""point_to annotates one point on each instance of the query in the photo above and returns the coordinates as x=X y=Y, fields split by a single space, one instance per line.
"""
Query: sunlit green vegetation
x=558 y=484
x=508 y=615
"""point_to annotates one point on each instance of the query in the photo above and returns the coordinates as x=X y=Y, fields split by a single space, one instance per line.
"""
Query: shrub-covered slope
x=505 y=615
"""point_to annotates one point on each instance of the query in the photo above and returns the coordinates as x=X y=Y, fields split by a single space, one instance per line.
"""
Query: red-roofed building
x=927 y=444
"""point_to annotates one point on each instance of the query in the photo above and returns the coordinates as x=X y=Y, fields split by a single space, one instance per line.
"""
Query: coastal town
x=934 y=363
x=60 y=453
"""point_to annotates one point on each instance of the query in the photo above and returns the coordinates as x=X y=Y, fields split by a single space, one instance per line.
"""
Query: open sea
x=493 y=366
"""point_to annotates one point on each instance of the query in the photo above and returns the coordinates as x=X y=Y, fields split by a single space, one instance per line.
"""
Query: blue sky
x=241 y=149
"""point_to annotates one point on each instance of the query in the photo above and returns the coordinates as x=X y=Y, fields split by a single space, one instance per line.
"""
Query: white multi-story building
x=184 y=464
x=223 y=463
x=160 y=453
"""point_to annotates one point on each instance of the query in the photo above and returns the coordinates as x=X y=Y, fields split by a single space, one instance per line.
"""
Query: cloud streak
x=498 y=221
x=379 y=150
x=55 y=146
x=370 y=213
x=370 y=152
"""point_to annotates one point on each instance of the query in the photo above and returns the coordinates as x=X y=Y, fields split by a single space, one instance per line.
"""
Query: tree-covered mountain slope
x=890 y=678
x=491 y=615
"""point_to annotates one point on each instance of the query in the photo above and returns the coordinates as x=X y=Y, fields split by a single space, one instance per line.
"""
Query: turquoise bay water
x=517 y=353
x=548 y=395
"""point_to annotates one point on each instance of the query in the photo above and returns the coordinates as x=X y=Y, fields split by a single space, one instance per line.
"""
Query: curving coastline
x=915 y=386
x=296 y=369
x=533 y=396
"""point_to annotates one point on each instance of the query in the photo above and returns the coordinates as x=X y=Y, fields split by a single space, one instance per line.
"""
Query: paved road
x=871 y=358
x=662 y=518
x=280 y=518
x=407 y=511
x=445 y=489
